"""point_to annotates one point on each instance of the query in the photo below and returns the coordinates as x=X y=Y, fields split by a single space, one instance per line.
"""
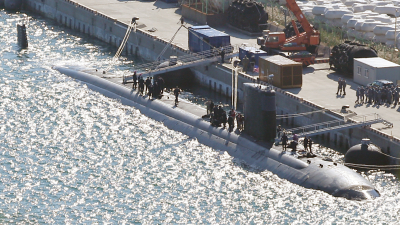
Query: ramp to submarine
x=338 y=124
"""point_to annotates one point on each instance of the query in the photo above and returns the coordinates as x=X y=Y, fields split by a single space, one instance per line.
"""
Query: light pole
x=235 y=62
x=395 y=29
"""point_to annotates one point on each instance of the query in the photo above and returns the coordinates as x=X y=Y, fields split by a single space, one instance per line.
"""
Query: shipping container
x=367 y=70
x=203 y=38
x=287 y=73
x=250 y=52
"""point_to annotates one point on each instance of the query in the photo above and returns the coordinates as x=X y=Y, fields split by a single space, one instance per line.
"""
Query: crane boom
x=292 y=6
x=301 y=46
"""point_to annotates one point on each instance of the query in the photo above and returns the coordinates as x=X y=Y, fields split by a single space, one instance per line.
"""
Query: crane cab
x=271 y=39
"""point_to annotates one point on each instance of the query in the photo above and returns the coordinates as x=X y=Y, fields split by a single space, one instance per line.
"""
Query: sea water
x=71 y=155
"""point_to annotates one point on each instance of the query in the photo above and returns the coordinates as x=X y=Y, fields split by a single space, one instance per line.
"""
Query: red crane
x=294 y=47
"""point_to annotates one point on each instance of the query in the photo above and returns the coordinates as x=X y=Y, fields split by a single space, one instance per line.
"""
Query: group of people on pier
x=219 y=117
x=151 y=88
x=378 y=95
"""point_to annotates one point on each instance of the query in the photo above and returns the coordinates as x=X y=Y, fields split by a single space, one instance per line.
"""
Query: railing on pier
x=336 y=125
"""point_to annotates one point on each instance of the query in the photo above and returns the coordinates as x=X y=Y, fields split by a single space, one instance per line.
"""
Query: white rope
x=131 y=26
x=169 y=43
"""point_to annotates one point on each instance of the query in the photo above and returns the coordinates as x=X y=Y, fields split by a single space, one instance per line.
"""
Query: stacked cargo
x=204 y=38
x=287 y=73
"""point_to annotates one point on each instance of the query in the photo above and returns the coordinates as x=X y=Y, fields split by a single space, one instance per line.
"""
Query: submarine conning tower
x=260 y=111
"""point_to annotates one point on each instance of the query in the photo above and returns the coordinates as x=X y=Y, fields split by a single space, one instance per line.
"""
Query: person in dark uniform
x=141 y=84
x=223 y=118
x=310 y=145
x=150 y=88
x=147 y=83
x=362 y=94
x=161 y=84
x=284 y=140
x=357 y=95
x=396 y=96
x=222 y=53
x=134 y=78
x=344 y=86
x=339 y=89
x=305 y=143
x=231 y=123
x=177 y=91
x=278 y=131
x=156 y=89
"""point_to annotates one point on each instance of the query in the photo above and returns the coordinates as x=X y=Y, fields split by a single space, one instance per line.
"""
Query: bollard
x=22 y=37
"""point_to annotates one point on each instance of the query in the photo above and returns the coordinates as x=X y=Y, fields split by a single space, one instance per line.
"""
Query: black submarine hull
x=314 y=173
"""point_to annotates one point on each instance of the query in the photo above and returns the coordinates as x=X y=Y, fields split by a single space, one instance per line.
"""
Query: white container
x=334 y=22
x=368 y=36
x=382 y=18
x=390 y=34
x=351 y=24
x=320 y=19
x=335 y=13
x=319 y=10
x=383 y=29
x=370 y=7
x=386 y=9
x=379 y=3
x=353 y=33
x=358 y=8
x=359 y=24
x=367 y=13
x=390 y=43
x=345 y=18
x=380 y=39
x=369 y=26
x=352 y=2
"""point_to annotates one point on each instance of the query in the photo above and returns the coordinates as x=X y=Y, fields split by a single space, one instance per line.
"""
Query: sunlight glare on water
x=71 y=155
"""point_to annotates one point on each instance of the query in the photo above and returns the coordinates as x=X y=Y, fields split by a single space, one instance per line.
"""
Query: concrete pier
x=107 y=20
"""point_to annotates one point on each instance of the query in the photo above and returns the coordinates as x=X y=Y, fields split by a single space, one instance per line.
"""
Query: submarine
x=314 y=173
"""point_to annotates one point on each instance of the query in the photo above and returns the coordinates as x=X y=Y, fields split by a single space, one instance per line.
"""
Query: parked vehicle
x=382 y=83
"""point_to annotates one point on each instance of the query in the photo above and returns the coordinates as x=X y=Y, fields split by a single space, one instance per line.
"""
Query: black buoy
x=22 y=37
x=367 y=154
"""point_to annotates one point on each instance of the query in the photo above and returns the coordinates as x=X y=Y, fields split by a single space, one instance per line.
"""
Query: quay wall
x=105 y=28
x=214 y=76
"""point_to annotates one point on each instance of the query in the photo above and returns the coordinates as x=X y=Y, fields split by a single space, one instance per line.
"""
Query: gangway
x=339 y=124
x=182 y=62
